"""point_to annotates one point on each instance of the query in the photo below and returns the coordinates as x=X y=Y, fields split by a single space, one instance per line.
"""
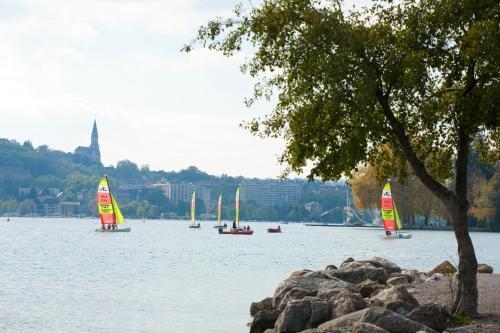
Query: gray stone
x=350 y=259
x=392 y=321
x=263 y=320
x=368 y=287
x=297 y=274
x=345 y=321
x=294 y=293
x=399 y=307
x=327 y=294
x=295 y=316
x=413 y=273
x=328 y=267
x=435 y=277
x=388 y=265
x=321 y=311
x=270 y=330
x=356 y=272
x=331 y=330
x=265 y=304
x=396 y=293
x=432 y=315
x=367 y=328
x=397 y=280
x=484 y=268
x=319 y=274
x=346 y=302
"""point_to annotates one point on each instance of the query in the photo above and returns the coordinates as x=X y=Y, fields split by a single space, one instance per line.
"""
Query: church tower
x=94 y=140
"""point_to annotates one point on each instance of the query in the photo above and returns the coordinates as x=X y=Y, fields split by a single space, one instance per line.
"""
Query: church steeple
x=94 y=141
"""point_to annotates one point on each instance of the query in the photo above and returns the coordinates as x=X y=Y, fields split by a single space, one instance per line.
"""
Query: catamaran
x=390 y=216
x=193 y=224
x=236 y=230
x=219 y=211
x=109 y=211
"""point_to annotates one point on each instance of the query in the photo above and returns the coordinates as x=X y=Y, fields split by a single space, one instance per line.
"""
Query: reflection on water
x=61 y=276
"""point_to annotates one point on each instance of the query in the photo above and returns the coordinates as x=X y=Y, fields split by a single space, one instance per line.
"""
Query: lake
x=58 y=275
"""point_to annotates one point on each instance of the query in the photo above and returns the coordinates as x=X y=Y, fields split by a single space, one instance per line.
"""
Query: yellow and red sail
x=238 y=207
x=109 y=211
x=388 y=215
x=219 y=209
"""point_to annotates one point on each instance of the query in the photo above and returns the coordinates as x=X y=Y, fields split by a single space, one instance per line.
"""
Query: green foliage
x=461 y=320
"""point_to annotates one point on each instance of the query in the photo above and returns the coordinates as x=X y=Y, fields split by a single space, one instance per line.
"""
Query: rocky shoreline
x=362 y=296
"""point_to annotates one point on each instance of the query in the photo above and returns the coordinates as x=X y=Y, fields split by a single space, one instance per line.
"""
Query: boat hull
x=113 y=230
x=236 y=232
x=224 y=226
x=195 y=226
x=399 y=236
x=273 y=230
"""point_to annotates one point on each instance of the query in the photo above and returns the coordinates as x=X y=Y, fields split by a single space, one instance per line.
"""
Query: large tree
x=419 y=76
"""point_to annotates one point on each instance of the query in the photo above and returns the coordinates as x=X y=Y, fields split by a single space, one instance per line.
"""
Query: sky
x=64 y=63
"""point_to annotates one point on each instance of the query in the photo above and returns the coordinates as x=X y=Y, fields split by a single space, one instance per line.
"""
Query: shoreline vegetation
x=376 y=296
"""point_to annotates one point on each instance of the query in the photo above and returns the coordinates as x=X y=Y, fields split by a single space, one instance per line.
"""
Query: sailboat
x=236 y=230
x=109 y=211
x=193 y=224
x=219 y=211
x=390 y=216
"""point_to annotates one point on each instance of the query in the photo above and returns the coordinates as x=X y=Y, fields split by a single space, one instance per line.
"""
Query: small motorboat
x=274 y=230
x=113 y=230
x=235 y=232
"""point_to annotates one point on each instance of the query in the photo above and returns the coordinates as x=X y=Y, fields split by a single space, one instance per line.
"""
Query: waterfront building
x=271 y=193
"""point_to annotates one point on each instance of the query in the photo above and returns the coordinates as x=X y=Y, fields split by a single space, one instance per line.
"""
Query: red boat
x=235 y=232
x=274 y=230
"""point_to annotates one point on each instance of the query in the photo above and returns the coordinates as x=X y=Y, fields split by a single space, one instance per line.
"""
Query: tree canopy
x=421 y=77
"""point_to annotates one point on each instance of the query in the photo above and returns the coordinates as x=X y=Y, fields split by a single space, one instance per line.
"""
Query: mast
x=111 y=199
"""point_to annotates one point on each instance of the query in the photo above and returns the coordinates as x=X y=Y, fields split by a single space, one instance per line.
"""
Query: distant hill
x=42 y=181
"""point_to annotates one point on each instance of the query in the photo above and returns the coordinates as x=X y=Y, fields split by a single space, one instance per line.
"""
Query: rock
x=397 y=293
x=321 y=311
x=294 y=293
x=435 y=277
x=367 y=328
x=399 y=307
x=311 y=285
x=295 y=317
x=347 y=320
x=350 y=259
x=445 y=268
x=356 y=272
x=263 y=320
x=389 y=266
x=319 y=274
x=332 y=330
x=397 y=280
x=327 y=294
x=409 y=277
x=297 y=274
x=346 y=302
x=270 y=330
x=368 y=287
x=265 y=304
x=329 y=267
x=484 y=268
x=432 y=315
x=392 y=321
x=413 y=273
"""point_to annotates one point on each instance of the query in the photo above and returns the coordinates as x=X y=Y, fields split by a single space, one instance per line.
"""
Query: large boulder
x=265 y=304
x=397 y=280
x=263 y=320
x=321 y=311
x=347 y=320
x=297 y=274
x=295 y=293
x=309 y=286
x=356 y=272
x=399 y=307
x=432 y=315
x=331 y=330
x=346 y=302
x=392 y=321
x=295 y=316
x=413 y=273
x=484 y=268
x=330 y=267
x=367 y=328
x=368 y=287
x=396 y=293
x=389 y=266
x=445 y=268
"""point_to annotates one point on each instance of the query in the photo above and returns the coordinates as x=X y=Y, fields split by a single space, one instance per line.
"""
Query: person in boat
x=109 y=227
x=234 y=224
x=279 y=228
x=103 y=227
x=113 y=226
x=220 y=230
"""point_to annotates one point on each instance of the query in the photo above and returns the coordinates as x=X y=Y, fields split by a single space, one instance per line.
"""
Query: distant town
x=44 y=182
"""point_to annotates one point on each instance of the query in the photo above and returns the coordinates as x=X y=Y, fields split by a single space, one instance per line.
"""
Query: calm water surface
x=58 y=275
